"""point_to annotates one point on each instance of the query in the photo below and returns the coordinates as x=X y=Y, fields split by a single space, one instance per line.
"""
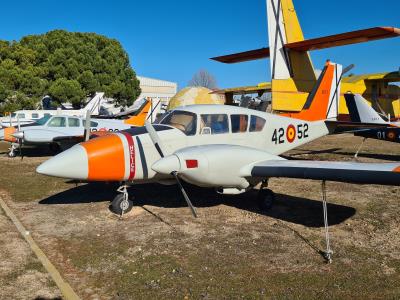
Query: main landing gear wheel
x=55 y=148
x=121 y=204
x=265 y=199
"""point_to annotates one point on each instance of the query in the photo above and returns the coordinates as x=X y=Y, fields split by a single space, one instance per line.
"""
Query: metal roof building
x=156 y=88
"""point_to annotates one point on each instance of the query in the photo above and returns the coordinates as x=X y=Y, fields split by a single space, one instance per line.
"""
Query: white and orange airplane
x=62 y=131
x=231 y=149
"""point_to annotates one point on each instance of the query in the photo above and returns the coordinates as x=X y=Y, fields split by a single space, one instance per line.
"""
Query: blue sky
x=173 y=39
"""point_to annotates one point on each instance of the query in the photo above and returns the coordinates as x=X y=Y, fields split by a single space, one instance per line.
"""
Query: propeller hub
x=167 y=165
x=18 y=135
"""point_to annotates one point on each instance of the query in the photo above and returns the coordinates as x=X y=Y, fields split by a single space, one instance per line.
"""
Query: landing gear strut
x=328 y=253
x=121 y=203
x=265 y=197
x=359 y=148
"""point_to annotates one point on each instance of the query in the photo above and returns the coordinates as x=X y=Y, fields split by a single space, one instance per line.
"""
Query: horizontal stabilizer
x=352 y=172
x=342 y=39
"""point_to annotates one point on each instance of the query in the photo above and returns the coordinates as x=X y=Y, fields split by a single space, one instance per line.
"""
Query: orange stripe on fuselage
x=106 y=160
x=319 y=105
x=397 y=170
x=8 y=131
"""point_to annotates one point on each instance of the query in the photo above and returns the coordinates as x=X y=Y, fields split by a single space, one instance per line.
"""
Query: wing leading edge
x=336 y=40
x=351 y=172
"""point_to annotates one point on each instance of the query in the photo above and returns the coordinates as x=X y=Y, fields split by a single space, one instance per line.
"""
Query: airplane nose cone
x=18 y=135
x=167 y=165
x=72 y=164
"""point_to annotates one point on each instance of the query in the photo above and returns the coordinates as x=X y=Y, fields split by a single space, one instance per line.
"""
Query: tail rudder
x=360 y=111
x=140 y=117
x=322 y=102
x=292 y=72
x=94 y=103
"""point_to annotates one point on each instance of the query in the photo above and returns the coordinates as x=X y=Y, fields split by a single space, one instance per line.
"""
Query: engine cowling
x=212 y=165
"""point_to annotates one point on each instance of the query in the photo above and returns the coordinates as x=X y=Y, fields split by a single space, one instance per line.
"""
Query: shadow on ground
x=31 y=151
x=292 y=209
x=339 y=151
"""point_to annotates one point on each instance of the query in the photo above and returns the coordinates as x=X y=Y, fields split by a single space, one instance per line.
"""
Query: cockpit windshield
x=182 y=120
x=43 y=120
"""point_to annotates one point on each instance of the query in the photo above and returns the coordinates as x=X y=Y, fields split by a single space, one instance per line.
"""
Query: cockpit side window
x=92 y=123
x=43 y=120
x=239 y=123
x=183 y=120
x=256 y=124
x=214 y=124
x=57 y=122
x=73 y=122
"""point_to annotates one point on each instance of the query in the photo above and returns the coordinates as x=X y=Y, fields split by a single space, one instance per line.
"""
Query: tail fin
x=322 y=102
x=93 y=105
x=292 y=71
x=360 y=111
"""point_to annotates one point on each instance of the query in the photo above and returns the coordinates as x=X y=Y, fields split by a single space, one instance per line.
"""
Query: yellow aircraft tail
x=292 y=72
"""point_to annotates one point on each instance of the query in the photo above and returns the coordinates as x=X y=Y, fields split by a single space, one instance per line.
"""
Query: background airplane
x=31 y=116
x=231 y=149
x=293 y=74
x=62 y=131
x=363 y=115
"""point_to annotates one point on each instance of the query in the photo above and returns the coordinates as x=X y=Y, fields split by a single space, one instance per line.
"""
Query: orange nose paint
x=106 y=160
x=8 y=134
x=397 y=170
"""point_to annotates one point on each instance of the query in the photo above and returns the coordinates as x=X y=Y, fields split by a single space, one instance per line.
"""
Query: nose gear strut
x=121 y=204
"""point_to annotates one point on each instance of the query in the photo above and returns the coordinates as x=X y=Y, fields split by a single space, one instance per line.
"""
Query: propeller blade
x=18 y=123
x=19 y=140
x=347 y=69
x=87 y=126
x=20 y=148
x=155 y=138
x=189 y=203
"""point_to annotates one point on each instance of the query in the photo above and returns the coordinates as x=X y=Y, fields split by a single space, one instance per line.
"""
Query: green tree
x=64 y=90
x=66 y=65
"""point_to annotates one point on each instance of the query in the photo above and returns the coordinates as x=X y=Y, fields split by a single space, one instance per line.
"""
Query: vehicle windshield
x=43 y=120
x=182 y=120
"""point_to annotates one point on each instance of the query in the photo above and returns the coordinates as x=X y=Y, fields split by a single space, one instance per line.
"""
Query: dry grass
x=232 y=251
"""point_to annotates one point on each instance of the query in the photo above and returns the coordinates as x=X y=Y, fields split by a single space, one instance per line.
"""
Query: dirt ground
x=232 y=251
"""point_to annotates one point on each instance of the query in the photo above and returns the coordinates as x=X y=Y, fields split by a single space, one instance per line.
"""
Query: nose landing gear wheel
x=121 y=205
x=12 y=149
x=11 y=154
x=265 y=199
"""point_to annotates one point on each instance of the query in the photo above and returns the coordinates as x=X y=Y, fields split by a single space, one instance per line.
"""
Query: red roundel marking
x=290 y=133
x=391 y=135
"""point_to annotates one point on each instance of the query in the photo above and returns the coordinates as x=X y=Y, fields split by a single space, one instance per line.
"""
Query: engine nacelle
x=207 y=165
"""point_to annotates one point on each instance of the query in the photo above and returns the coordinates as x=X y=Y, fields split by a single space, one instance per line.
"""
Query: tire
x=55 y=148
x=265 y=199
x=117 y=205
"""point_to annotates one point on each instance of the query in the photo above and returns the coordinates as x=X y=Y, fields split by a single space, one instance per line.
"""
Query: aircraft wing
x=78 y=138
x=348 y=126
x=352 y=172
x=347 y=38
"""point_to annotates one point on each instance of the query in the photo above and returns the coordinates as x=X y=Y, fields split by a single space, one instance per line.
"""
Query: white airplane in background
x=30 y=116
x=63 y=131
x=231 y=149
